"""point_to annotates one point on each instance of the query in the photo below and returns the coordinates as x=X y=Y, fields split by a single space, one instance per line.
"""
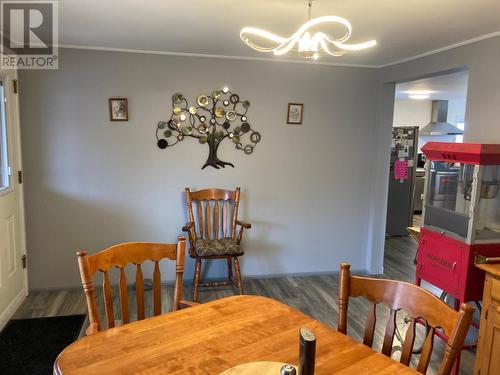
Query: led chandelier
x=303 y=43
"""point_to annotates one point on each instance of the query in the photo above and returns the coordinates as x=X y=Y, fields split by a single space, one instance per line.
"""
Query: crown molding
x=278 y=60
x=211 y=56
x=443 y=49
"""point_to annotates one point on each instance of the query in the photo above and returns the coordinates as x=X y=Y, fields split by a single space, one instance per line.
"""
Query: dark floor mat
x=30 y=346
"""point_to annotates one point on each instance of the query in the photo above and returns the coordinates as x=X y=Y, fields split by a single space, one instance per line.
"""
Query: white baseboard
x=11 y=309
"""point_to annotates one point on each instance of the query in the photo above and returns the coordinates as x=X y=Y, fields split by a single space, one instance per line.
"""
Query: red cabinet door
x=439 y=262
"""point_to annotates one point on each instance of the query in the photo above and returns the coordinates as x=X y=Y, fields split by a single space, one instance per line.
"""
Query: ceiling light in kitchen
x=419 y=95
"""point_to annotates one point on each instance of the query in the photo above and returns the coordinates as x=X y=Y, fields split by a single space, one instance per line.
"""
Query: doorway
x=13 y=279
x=429 y=109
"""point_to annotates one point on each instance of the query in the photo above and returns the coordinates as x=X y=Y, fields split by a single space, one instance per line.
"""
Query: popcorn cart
x=461 y=220
x=461 y=216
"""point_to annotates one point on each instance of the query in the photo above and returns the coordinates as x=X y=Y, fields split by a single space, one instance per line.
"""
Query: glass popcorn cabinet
x=461 y=216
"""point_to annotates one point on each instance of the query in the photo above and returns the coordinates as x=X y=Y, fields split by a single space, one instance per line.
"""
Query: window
x=4 y=154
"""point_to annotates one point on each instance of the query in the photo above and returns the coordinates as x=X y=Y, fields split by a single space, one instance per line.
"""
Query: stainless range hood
x=438 y=124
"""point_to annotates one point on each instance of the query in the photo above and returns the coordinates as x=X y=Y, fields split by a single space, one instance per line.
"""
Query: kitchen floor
x=417 y=220
x=316 y=296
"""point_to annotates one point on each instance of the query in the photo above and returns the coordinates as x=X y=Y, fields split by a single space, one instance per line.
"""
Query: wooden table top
x=215 y=336
x=493 y=268
x=259 y=368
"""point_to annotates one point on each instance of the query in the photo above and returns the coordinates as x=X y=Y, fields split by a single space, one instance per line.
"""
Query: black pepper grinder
x=307 y=352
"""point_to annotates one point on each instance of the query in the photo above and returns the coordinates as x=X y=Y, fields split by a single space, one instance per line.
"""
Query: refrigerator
x=403 y=163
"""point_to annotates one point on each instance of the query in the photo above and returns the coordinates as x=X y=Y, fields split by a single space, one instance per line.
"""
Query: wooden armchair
x=120 y=256
x=418 y=303
x=212 y=235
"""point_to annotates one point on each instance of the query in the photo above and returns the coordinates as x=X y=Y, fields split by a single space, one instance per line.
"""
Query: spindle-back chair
x=418 y=303
x=212 y=233
x=119 y=256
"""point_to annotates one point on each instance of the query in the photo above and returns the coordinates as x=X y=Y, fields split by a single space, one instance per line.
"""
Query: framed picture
x=118 y=109
x=295 y=113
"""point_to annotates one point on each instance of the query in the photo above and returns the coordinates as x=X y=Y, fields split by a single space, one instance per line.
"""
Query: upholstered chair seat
x=217 y=247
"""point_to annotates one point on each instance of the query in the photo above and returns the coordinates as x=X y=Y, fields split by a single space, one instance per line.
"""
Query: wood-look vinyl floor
x=316 y=296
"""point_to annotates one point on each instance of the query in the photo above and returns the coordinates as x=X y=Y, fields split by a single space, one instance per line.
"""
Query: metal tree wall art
x=215 y=118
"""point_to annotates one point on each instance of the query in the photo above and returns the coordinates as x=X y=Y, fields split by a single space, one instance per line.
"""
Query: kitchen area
x=425 y=110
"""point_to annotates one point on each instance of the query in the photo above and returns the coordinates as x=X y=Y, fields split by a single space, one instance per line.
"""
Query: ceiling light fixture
x=419 y=95
x=305 y=44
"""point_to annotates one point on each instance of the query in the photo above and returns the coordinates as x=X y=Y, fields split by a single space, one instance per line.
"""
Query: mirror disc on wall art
x=220 y=112
x=162 y=143
x=231 y=115
x=245 y=127
x=177 y=98
x=234 y=98
x=255 y=137
x=202 y=100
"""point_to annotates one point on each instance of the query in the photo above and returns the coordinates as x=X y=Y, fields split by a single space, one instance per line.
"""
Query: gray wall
x=90 y=183
x=481 y=118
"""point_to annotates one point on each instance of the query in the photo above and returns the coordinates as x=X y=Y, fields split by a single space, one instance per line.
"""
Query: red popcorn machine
x=461 y=216
x=461 y=221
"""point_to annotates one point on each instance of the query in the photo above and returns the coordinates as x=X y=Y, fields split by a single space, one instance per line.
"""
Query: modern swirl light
x=302 y=42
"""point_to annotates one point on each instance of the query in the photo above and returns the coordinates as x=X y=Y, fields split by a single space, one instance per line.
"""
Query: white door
x=13 y=280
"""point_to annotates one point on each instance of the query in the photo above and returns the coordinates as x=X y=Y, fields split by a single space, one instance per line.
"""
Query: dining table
x=213 y=337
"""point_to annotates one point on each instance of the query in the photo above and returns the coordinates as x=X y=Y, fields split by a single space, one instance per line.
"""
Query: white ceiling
x=444 y=87
x=403 y=28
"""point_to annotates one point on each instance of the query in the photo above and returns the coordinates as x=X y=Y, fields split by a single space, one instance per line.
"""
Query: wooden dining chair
x=119 y=256
x=418 y=303
x=212 y=233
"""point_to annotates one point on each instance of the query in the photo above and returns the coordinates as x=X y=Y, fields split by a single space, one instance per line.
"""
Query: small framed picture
x=118 y=109
x=295 y=113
